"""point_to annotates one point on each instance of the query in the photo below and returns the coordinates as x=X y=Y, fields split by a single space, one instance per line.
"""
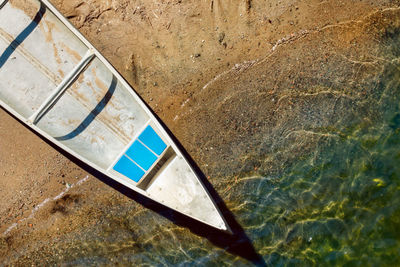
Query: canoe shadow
x=236 y=243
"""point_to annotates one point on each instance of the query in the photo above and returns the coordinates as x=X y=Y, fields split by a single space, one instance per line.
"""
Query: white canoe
x=56 y=82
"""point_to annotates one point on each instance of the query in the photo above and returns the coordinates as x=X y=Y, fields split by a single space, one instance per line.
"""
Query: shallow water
x=340 y=204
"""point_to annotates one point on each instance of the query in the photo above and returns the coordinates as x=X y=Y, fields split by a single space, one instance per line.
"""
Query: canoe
x=53 y=80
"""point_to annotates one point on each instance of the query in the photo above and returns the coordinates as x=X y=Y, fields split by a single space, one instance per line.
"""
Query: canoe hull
x=53 y=80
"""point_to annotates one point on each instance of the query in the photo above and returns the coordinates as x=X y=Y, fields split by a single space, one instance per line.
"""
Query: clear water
x=340 y=205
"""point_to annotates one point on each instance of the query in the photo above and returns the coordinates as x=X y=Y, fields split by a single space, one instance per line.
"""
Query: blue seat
x=151 y=139
x=141 y=155
x=128 y=168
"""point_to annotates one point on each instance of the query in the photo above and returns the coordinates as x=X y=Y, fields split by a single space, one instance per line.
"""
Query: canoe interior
x=97 y=117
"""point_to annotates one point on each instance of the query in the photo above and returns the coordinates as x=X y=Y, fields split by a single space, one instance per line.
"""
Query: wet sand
x=237 y=83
